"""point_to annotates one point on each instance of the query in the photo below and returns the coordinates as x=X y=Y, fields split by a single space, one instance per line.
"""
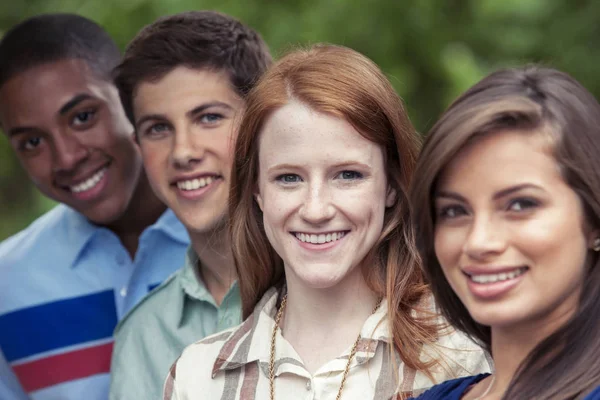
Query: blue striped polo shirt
x=64 y=284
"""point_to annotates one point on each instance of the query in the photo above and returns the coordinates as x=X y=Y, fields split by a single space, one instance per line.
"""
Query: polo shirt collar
x=81 y=232
x=193 y=286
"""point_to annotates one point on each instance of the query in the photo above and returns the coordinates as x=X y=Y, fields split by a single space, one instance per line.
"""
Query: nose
x=68 y=152
x=186 y=151
x=485 y=238
x=317 y=207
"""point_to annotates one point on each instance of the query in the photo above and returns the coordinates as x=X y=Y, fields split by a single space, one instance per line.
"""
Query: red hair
x=341 y=82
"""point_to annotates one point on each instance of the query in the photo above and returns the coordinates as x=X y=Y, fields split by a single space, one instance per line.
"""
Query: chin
x=203 y=225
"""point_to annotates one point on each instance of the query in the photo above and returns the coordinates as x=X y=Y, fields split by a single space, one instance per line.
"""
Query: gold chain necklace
x=272 y=355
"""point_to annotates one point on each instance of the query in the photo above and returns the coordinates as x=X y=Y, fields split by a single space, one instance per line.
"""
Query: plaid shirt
x=234 y=364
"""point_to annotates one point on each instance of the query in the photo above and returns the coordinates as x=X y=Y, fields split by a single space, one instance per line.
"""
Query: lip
x=81 y=177
x=492 y=290
x=492 y=269
x=197 y=194
x=188 y=177
x=321 y=246
x=94 y=192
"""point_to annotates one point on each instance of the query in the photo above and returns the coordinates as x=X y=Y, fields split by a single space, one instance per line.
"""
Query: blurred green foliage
x=432 y=50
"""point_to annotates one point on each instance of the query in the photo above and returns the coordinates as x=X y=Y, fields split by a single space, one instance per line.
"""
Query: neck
x=321 y=323
x=143 y=210
x=217 y=268
x=512 y=344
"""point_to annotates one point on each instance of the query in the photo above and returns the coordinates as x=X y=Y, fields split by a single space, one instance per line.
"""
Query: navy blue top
x=454 y=389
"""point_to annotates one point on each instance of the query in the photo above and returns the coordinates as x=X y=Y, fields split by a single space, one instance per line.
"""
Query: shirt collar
x=81 y=232
x=170 y=225
x=192 y=284
x=249 y=343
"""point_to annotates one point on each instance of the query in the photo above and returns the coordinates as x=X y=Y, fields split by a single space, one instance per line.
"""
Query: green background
x=432 y=50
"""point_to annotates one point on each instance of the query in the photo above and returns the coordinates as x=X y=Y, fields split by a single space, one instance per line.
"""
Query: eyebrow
x=340 y=165
x=189 y=114
x=20 y=130
x=498 y=195
x=206 y=106
x=69 y=105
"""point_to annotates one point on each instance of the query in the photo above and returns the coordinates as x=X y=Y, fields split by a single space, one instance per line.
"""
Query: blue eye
x=210 y=118
x=349 y=175
x=288 y=178
x=157 y=130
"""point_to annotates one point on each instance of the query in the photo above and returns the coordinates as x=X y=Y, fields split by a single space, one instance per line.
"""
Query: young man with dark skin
x=74 y=272
x=183 y=81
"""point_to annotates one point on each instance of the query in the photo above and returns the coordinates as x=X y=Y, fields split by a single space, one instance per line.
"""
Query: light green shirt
x=151 y=337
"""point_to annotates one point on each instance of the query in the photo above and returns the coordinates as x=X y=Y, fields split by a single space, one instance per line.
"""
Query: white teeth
x=503 y=276
x=88 y=183
x=320 y=238
x=194 y=184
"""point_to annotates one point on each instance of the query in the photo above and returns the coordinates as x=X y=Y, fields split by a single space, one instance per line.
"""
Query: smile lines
x=499 y=277
x=89 y=183
x=320 y=237
x=196 y=183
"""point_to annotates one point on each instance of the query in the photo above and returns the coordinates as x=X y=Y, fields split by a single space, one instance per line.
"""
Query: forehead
x=184 y=88
x=503 y=158
x=296 y=132
x=45 y=88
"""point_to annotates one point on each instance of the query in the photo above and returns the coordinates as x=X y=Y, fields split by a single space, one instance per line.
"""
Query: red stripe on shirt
x=77 y=364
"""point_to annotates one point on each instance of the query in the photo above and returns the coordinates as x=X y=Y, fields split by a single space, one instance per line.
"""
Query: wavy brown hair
x=532 y=100
x=341 y=82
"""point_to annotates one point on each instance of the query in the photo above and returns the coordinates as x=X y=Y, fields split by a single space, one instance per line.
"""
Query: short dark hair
x=54 y=37
x=195 y=39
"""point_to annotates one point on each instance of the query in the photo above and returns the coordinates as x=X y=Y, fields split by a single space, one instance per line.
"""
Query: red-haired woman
x=332 y=292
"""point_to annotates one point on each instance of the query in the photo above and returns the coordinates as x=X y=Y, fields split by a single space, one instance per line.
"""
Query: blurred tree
x=432 y=50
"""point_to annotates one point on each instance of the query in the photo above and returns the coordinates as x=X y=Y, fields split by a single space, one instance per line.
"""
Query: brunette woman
x=507 y=206
x=332 y=292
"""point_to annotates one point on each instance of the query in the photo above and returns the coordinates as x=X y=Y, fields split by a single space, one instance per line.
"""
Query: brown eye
x=522 y=204
x=83 y=117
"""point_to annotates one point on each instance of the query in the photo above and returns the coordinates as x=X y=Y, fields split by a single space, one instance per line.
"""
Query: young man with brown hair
x=183 y=81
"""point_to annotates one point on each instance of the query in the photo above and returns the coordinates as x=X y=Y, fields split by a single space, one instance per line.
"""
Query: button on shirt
x=234 y=364
x=152 y=336
x=64 y=285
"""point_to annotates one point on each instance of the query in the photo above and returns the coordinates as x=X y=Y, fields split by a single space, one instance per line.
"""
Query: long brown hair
x=343 y=83
x=530 y=99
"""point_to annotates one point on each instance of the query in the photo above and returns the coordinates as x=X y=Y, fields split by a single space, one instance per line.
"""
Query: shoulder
x=150 y=304
x=197 y=362
x=44 y=226
x=452 y=389
x=41 y=234
x=595 y=395
x=458 y=355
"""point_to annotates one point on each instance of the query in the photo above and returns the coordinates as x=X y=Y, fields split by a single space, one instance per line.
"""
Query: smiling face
x=509 y=232
x=72 y=137
x=323 y=191
x=186 y=127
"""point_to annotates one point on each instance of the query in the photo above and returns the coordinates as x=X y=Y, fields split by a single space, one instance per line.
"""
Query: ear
x=258 y=199
x=594 y=240
x=390 y=197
